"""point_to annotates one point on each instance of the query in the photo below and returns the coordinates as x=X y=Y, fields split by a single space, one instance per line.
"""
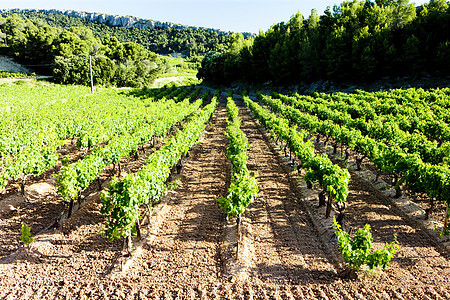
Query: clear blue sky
x=232 y=15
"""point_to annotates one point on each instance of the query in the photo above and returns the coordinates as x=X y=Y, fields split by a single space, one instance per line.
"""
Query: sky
x=231 y=15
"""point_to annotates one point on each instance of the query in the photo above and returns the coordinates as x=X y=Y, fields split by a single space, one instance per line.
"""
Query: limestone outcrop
x=125 y=21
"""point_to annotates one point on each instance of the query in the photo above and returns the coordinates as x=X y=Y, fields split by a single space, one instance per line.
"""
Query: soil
x=286 y=246
x=409 y=205
x=287 y=255
x=39 y=207
x=385 y=182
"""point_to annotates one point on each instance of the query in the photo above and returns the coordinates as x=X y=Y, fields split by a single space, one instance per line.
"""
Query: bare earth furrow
x=184 y=258
x=186 y=249
x=286 y=245
x=418 y=262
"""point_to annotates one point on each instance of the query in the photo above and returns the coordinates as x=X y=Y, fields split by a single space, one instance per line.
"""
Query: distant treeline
x=187 y=41
x=65 y=53
x=357 y=41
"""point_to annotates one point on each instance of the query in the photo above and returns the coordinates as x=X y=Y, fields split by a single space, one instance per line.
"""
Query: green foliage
x=174 y=184
x=399 y=131
x=65 y=161
x=135 y=73
x=122 y=200
x=319 y=168
x=187 y=41
x=26 y=237
x=242 y=191
x=73 y=69
x=358 y=41
x=357 y=250
x=134 y=67
x=243 y=187
x=44 y=117
x=65 y=54
x=157 y=119
x=213 y=66
x=6 y=74
x=446 y=229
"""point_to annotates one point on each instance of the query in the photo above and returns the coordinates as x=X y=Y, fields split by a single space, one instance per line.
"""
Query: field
x=65 y=153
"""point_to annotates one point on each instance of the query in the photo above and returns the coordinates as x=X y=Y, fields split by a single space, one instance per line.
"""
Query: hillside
x=156 y=36
x=114 y=20
x=9 y=65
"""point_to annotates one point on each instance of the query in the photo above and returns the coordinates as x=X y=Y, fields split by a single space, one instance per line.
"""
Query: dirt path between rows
x=286 y=247
x=38 y=208
x=186 y=251
x=419 y=270
x=76 y=261
x=42 y=205
x=183 y=260
x=421 y=267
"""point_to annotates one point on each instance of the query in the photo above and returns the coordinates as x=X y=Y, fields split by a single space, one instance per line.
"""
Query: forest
x=187 y=41
x=65 y=54
x=356 y=41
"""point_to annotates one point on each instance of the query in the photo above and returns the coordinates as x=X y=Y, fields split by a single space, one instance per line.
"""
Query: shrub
x=356 y=250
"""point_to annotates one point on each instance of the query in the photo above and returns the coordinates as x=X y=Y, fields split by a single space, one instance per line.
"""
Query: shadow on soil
x=295 y=275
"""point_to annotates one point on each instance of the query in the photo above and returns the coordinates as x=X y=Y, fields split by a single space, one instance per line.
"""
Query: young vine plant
x=244 y=187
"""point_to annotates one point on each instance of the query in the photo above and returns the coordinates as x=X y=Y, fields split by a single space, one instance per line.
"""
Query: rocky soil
x=284 y=254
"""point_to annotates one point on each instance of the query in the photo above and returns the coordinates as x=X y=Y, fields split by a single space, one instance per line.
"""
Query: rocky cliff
x=125 y=21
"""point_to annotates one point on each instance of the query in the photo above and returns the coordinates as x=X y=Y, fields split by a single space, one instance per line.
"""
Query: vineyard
x=190 y=193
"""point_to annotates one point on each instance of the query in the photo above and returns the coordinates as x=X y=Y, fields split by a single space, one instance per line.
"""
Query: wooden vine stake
x=149 y=210
x=328 y=211
x=340 y=218
x=179 y=166
x=138 y=228
x=127 y=244
x=359 y=162
x=447 y=216
x=398 y=191
x=238 y=223
x=22 y=186
x=69 y=214
x=429 y=210
x=322 y=198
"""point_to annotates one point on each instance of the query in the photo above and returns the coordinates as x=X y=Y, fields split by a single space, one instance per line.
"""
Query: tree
x=213 y=65
x=313 y=20
x=103 y=69
x=69 y=43
x=412 y=54
x=403 y=13
x=3 y=38
x=134 y=51
x=443 y=57
x=73 y=69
